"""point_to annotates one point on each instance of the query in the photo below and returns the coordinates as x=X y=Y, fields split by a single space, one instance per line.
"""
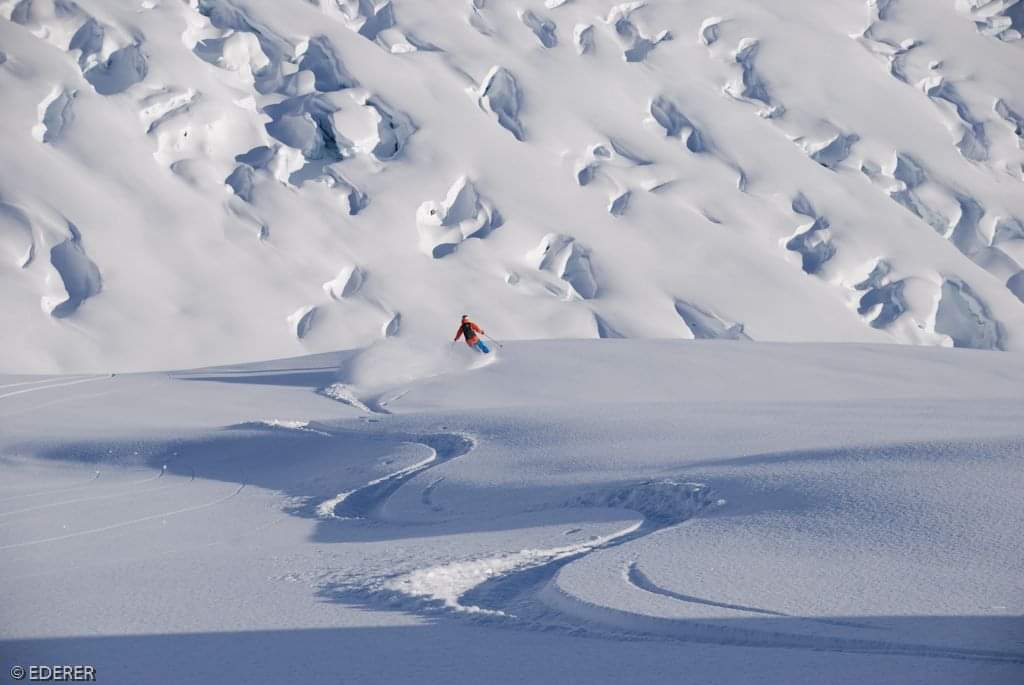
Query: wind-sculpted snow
x=965 y=233
x=499 y=95
x=831 y=152
x=749 y=86
x=1006 y=229
x=371 y=127
x=346 y=284
x=79 y=277
x=583 y=38
x=1002 y=19
x=123 y=69
x=1014 y=120
x=911 y=175
x=965 y=318
x=241 y=181
x=677 y=124
x=543 y=28
x=392 y=326
x=705 y=325
x=164 y=105
x=563 y=256
x=477 y=19
x=262 y=147
x=55 y=113
x=302 y=319
x=463 y=214
x=304 y=123
x=811 y=242
x=972 y=142
x=16 y=236
x=883 y=300
x=619 y=172
x=710 y=31
x=368 y=18
x=328 y=71
x=1015 y=284
x=635 y=44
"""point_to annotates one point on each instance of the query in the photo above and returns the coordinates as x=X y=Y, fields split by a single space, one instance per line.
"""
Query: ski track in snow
x=61 y=384
x=519 y=589
x=124 y=524
x=551 y=569
x=365 y=501
x=40 y=493
x=639 y=579
x=80 y=500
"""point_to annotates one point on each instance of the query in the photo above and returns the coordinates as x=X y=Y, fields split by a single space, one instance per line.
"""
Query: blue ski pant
x=481 y=346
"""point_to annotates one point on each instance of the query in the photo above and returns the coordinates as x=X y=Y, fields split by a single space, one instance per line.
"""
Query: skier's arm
x=477 y=328
x=458 y=333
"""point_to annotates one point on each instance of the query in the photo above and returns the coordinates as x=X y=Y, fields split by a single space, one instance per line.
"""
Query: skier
x=469 y=330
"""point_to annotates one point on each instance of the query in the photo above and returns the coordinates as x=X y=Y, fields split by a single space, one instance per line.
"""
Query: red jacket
x=469 y=329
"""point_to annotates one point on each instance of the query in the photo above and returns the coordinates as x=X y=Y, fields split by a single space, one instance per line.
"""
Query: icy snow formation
x=706 y=325
x=561 y=255
x=1002 y=19
x=463 y=214
x=225 y=158
x=79 y=276
x=499 y=95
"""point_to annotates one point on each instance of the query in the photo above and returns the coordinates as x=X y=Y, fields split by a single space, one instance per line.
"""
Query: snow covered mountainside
x=570 y=511
x=186 y=183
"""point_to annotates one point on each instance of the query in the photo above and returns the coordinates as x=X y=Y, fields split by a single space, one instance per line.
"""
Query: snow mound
x=677 y=124
x=346 y=284
x=263 y=146
x=965 y=319
x=561 y=255
x=17 y=241
x=971 y=139
x=123 y=69
x=750 y=86
x=1010 y=116
x=710 y=31
x=463 y=214
x=583 y=38
x=340 y=392
x=80 y=278
x=1002 y=19
x=543 y=28
x=636 y=46
x=811 y=242
x=703 y=324
x=499 y=95
x=54 y=115
x=883 y=301
x=302 y=319
x=663 y=502
x=371 y=127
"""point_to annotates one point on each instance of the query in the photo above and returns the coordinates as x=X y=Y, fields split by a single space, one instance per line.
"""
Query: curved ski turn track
x=493 y=504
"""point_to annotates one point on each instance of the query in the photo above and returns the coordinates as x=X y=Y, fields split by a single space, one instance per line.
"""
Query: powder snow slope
x=568 y=511
x=185 y=182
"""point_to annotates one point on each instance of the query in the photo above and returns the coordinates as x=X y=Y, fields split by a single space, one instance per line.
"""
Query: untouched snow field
x=567 y=511
x=188 y=183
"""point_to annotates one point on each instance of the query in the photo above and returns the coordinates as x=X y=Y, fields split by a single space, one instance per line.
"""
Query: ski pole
x=500 y=346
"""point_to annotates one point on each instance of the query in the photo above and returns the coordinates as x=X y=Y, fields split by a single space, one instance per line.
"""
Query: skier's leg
x=482 y=347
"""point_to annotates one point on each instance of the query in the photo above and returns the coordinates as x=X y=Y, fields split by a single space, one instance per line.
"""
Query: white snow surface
x=197 y=182
x=780 y=216
x=585 y=511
